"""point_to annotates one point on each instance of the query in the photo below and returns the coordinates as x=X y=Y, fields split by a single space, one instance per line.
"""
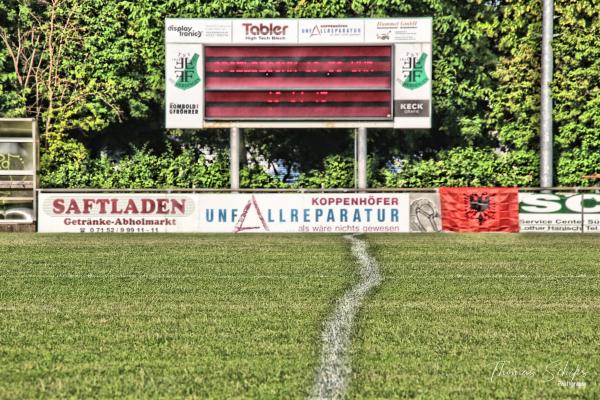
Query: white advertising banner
x=425 y=212
x=561 y=213
x=197 y=30
x=398 y=30
x=316 y=213
x=229 y=213
x=298 y=31
x=331 y=31
x=184 y=106
x=117 y=213
x=265 y=31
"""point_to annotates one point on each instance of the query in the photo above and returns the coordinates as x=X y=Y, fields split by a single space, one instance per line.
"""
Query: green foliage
x=254 y=176
x=576 y=90
x=466 y=167
x=63 y=163
x=69 y=165
x=338 y=172
x=516 y=101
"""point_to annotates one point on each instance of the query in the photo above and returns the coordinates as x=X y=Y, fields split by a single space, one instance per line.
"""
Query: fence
x=320 y=210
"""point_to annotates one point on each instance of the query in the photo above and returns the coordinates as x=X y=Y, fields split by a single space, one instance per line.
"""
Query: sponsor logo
x=545 y=203
x=411 y=108
x=332 y=30
x=388 y=29
x=183 y=108
x=306 y=213
x=397 y=24
x=239 y=226
x=424 y=216
x=79 y=206
x=412 y=71
x=185 y=31
x=480 y=206
x=384 y=36
x=264 y=29
x=186 y=71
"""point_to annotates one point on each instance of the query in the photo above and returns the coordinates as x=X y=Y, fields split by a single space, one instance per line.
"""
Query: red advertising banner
x=480 y=209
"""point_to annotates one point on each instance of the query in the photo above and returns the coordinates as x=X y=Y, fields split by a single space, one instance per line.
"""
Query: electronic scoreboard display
x=294 y=73
x=308 y=82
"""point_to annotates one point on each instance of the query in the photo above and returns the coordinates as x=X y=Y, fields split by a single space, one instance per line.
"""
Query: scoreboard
x=298 y=73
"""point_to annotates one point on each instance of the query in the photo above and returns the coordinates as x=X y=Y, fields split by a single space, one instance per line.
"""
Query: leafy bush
x=466 y=166
x=69 y=166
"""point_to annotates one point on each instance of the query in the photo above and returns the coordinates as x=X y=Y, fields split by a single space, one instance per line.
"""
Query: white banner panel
x=412 y=86
x=265 y=31
x=425 y=212
x=298 y=31
x=331 y=31
x=315 y=213
x=561 y=213
x=185 y=30
x=184 y=87
x=117 y=213
x=233 y=213
x=398 y=30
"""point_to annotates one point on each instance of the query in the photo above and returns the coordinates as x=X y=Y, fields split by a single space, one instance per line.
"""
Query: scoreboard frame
x=410 y=73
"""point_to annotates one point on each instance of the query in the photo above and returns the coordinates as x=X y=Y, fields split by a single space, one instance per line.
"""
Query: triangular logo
x=239 y=225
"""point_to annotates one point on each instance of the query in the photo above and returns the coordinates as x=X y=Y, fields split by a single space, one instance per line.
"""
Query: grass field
x=454 y=307
x=165 y=315
x=224 y=316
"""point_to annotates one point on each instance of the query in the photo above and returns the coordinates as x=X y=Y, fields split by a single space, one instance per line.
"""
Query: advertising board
x=298 y=73
x=237 y=213
x=117 y=213
x=425 y=214
x=560 y=213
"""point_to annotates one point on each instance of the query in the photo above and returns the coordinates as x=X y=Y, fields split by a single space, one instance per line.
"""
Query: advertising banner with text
x=290 y=212
x=562 y=213
x=236 y=213
x=117 y=213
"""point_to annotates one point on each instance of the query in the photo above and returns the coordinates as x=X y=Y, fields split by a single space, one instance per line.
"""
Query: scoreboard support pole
x=546 y=140
x=361 y=149
x=234 y=158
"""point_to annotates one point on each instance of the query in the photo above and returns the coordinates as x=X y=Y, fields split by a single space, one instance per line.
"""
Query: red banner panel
x=480 y=209
x=304 y=67
x=297 y=104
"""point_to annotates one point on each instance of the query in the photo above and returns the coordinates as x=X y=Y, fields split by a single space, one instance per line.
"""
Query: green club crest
x=415 y=75
x=186 y=70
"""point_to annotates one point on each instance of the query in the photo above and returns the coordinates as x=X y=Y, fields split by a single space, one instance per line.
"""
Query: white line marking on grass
x=334 y=371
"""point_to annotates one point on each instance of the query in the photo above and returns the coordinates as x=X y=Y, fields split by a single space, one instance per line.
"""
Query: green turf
x=225 y=316
x=171 y=316
x=452 y=307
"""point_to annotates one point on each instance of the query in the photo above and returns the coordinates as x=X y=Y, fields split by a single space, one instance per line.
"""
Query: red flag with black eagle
x=480 y=209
